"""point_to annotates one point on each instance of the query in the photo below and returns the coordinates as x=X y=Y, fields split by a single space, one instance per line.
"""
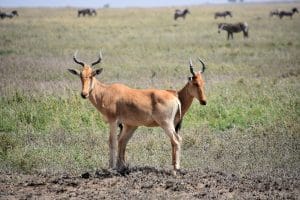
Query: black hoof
x=123 y=170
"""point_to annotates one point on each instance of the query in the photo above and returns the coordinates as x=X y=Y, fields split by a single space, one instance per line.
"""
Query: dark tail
x=121 y=127
x=178 y=126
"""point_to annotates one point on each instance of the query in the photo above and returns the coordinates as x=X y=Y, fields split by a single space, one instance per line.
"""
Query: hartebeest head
x=196 y=83
x=86 y=75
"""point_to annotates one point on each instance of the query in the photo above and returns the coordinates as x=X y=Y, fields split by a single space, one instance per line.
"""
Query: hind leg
x=228 y=34
x=175 y=142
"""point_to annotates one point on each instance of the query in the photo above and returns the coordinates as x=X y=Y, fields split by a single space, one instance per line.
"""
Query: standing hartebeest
x=288 y=13
x=181 y=13
x=234 y=28
x=194 y=88
x=223 y=14
x=120 y=104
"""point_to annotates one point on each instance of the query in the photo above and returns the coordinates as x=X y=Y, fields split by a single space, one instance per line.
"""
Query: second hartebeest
x=194 y=88
x=120 y=104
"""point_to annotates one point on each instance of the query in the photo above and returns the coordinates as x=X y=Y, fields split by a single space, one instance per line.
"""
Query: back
x=139 y=106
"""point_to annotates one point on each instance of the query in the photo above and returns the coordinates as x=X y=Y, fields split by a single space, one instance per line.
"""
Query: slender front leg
x=113 y=145
x=124 y=137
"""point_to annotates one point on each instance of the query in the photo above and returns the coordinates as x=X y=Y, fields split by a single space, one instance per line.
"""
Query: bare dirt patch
x=147 y=183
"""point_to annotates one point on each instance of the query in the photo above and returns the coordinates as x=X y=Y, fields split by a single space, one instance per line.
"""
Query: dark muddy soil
x=147 y=183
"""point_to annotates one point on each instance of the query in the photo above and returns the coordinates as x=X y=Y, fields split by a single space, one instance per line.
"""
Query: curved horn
x=203 y=65
x=75 y=59
x=99 y=59
x=191 y=67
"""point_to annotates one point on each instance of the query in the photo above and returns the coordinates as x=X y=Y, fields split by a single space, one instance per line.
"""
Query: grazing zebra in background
x=15 y=13
x=4 y=15
x=274 y=12
x=179 y=13
x=87 y=11
x=295 y=10
x=288 y=13
x=223 y=14
x=234 y=28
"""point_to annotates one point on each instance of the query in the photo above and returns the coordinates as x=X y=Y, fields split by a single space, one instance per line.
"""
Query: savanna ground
x=244 y=144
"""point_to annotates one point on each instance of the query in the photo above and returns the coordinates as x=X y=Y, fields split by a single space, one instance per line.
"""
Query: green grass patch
x=47 y=113
x=6 y=52
x=243 y=105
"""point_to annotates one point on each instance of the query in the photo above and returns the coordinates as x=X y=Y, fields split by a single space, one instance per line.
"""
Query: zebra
x=15 y=13
x=234 y=28
x=179 y=13
x=223 y=14
x=288 y=13
x=274 y=12
x=6 y=15
x=87 y=11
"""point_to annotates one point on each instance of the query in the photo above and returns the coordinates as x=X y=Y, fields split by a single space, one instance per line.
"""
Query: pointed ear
x=97 y=72
x=74 y=71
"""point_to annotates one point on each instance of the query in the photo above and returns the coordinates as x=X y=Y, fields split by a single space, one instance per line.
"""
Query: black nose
x=203 y=103
x=83 y=96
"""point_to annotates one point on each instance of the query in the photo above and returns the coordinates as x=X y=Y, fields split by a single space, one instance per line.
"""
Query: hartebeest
x=193 y=89
x=120 y=104
x=234 y=28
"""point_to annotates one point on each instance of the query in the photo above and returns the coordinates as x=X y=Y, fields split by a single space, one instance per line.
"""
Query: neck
x=185 y=99
x=96 y=92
